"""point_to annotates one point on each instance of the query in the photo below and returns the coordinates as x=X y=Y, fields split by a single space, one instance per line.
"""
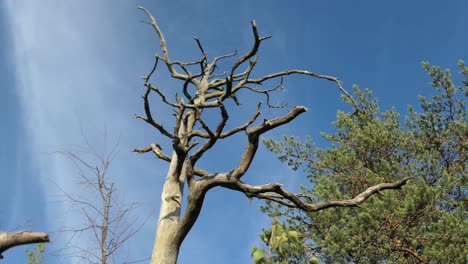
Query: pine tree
x=425 y=222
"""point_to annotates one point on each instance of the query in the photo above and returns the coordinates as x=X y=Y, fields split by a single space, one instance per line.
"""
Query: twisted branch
x=277 y=193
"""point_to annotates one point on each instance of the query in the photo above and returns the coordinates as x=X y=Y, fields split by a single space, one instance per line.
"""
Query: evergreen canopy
x=425 y=222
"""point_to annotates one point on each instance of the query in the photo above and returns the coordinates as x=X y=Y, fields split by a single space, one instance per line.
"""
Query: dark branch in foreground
x=9 y=240
x=277 y=193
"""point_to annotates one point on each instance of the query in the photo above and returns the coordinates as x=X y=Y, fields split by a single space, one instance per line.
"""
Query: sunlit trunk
x=166 y=248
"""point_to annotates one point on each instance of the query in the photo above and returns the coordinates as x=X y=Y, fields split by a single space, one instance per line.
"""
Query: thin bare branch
x=149 y=117
x=308 y=73
x=155 y=65
x=103 y=218
x=161 y=94
x=203 y=62
x=198 y=133
x=245 y=125
x=162 y=42
x=267 y=93
x=213 y=136
x=215 y=87
x=156 y=149
x=183 y=66
x=252 y=52
x=213 y=65
x=216 y=59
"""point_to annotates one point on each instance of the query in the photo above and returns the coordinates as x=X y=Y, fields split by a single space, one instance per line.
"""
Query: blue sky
x=73 y=67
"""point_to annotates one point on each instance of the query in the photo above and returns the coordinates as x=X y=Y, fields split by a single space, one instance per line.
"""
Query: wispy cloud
x=72 y=76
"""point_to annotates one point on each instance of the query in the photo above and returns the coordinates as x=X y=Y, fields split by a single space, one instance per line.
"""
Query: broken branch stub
x=13 y=239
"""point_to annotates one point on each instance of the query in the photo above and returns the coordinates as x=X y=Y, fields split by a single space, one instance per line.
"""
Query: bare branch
x=244 y=81
x=277 y=193
x=213 y=137
x=267 y=92
x=190 y=63
x=215 y=60
x=252 y=52
x=213 y=65
x=155 y=65
x=163 y=45
x=254 y=134
x=149 y=117
x=271 y=192
x=215 y=87
x=198 y=133
x=200 y=47
x=156 y=148
x=183 y=66
x=161 y=94
x=76 y=201
x=203 y=62
x=9 y=240
x=243 y=76
x=245 y=125
x=185 y=90
x=308 y=73
x=268 y=125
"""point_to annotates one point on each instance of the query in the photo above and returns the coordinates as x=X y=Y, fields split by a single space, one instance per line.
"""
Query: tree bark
x=166 y=247
x=9 y=240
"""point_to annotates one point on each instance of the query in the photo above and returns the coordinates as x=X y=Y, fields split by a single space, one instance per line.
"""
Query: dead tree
x=13 y=239
x=210 y=91
x=108 y=223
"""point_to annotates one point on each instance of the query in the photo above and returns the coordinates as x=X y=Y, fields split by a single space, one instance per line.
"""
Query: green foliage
x=259 y=255
x=35 y=256
x=426 y=221
x=280 y=240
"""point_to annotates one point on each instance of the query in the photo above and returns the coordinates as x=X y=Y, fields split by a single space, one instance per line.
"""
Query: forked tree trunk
x=169 y=235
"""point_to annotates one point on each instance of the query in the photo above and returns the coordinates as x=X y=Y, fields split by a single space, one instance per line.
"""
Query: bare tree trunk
x=9 y=240
x=170 y=231
x=166 y=248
